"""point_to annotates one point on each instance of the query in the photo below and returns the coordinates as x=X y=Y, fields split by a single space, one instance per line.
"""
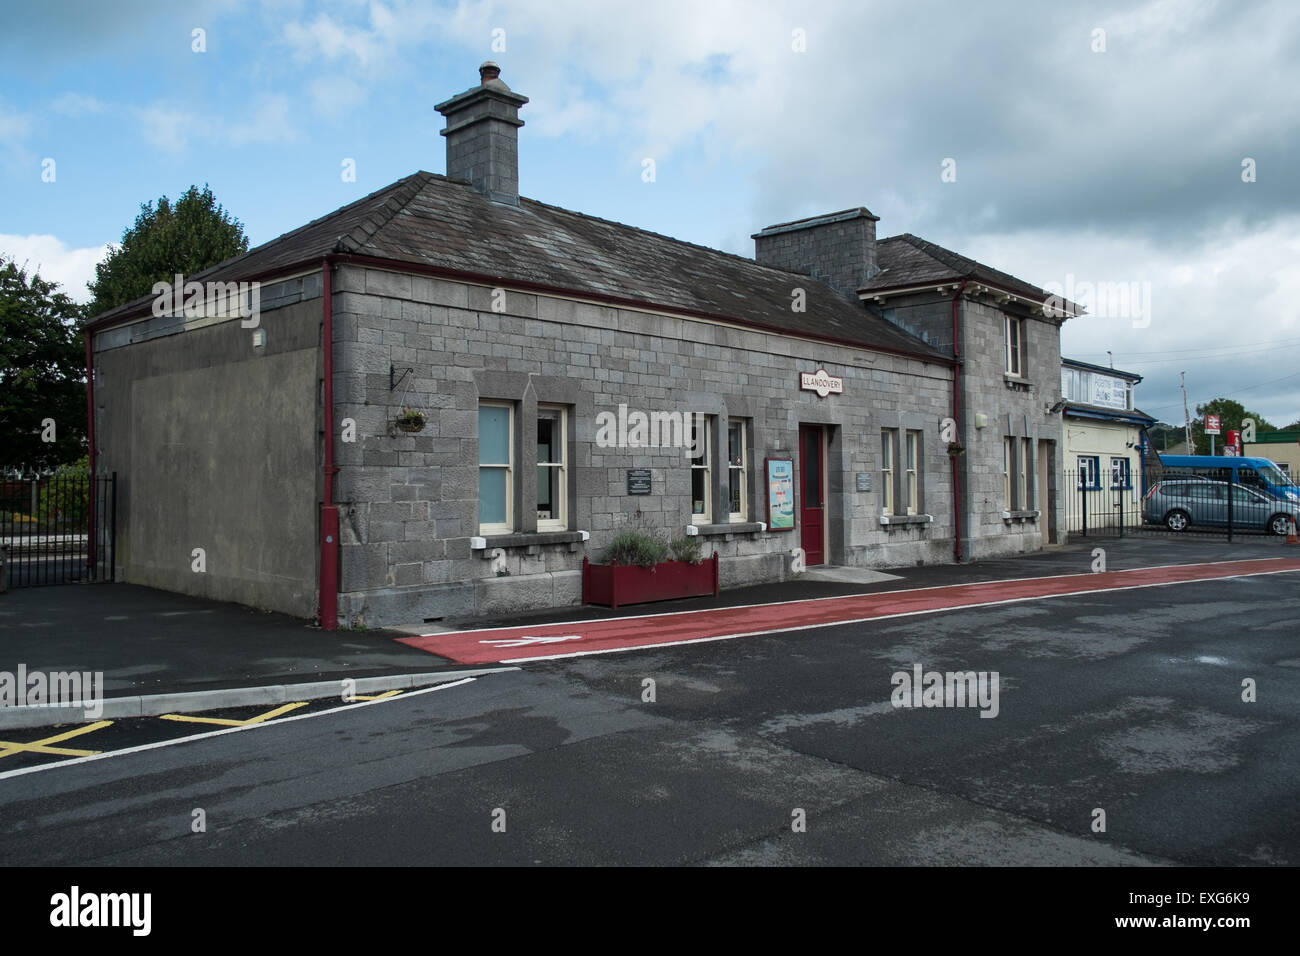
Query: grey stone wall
x=215 y=444
x=1013 y=409
x=410 y=502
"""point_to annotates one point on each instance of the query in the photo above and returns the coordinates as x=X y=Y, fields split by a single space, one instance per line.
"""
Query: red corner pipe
x=956 y=417
x=329 y=513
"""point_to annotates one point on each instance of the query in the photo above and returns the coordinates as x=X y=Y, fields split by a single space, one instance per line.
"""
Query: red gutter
x=329 y=513
x=90 y=438
x=956 y=417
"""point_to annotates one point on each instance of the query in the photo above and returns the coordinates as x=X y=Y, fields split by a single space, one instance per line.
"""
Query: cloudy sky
x=1149 y=146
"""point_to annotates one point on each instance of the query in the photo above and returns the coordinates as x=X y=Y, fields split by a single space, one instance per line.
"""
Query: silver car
x=1181 y=503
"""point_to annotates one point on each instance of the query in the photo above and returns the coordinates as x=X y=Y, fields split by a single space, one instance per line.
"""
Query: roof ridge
x=284 y=237
x=407 y=189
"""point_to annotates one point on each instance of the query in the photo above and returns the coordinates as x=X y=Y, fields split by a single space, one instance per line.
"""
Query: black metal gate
x=1209 y=503
x=57 y=529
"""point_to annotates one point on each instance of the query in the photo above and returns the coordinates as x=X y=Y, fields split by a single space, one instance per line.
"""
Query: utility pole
x=1187 y=418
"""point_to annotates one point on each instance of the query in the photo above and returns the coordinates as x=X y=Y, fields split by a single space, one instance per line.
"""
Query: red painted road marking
x=574 y=638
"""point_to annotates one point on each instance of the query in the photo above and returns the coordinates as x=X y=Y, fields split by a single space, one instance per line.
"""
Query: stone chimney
x=483 y=136
x=838 y=248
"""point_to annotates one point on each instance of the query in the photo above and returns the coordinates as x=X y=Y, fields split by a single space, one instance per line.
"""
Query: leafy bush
x=686 y=548
x=64 y=501
x=635 y=547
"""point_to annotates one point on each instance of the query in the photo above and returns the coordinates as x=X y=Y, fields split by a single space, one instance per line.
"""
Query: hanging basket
x=955 y=449
x=410 y=422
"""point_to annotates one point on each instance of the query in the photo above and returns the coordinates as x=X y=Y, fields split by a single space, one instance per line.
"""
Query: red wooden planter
x=617 y=584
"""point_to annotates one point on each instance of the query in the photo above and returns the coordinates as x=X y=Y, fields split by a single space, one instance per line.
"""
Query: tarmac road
x=773 y=749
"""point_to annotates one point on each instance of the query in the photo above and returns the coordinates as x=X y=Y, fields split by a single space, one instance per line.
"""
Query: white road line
x=842 y=597
x=886 y=617
x=229 y=730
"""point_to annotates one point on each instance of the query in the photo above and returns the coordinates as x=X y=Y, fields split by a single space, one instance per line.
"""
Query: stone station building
x=520 y=331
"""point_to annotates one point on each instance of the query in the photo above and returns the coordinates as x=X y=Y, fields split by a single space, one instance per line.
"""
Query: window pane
x=735 y=491
x=699 y=440
x=812 y=470
x=735 y=444
x=911 y=451
x=492 y=495
x=548 y=493
x=493 y=435
x=886 y=452
x=698 y=478
x=549 y=436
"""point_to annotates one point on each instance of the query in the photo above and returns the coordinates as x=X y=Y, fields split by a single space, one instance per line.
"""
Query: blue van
x=1257 y=473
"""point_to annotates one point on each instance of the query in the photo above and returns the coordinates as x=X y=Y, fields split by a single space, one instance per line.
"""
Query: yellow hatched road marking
x=8 y=748
x=391 y=693
x=227 y=722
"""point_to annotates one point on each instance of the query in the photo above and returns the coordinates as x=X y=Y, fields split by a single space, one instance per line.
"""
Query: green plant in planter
x=686 y=548
x=410 y=420
x=635 y=547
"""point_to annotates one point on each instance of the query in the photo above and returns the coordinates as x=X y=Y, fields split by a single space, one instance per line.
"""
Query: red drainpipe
x=90 y=439
x=956 y=417
x=329 y=513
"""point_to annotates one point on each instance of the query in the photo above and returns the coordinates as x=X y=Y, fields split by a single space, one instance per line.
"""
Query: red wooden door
x=811 y=506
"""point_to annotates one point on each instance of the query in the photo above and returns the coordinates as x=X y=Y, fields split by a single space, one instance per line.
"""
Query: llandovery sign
x=821 y=383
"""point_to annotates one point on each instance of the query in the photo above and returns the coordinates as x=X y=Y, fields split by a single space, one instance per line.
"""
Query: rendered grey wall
x=215 y=446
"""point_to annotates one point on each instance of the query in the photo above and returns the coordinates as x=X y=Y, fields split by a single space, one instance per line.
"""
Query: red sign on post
x=1211 y=424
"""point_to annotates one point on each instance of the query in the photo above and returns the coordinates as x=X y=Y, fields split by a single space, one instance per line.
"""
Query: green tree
x=1230 y=415
x=42 y=372
x=167 y=239
x=64 y=500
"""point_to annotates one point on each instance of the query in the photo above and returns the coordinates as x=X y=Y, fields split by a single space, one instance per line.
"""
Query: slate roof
x=908 y=260
x=431 y=220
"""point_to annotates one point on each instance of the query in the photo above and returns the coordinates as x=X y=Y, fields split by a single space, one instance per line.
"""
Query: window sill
x=905 y=519
x=726 y=530
x=1016 y=382
x=1020 y=515
x=532 y=540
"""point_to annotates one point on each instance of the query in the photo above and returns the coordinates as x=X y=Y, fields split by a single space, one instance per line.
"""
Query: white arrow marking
x=521 y=641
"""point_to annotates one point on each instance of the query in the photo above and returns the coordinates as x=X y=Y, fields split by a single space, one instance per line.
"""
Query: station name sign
x=821 y=383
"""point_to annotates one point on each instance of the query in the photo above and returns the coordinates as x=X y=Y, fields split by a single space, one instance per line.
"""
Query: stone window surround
x=723 y=409
x=1018 y=427
x=901 y=423
x=526 y=391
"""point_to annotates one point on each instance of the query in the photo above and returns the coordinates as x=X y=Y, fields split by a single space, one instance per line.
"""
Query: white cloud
x=167 y=128
x=266 y=120
x=75 y=106
x=55 y=261
x=14 y=127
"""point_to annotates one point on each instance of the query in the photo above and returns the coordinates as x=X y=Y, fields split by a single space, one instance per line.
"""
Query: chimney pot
x=488 y=71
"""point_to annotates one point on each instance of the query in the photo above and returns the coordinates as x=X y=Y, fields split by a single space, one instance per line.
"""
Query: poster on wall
x=780 y=494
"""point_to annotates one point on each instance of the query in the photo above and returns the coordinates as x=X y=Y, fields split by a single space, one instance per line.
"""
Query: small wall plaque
x=638 y=481
x=864 y=481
